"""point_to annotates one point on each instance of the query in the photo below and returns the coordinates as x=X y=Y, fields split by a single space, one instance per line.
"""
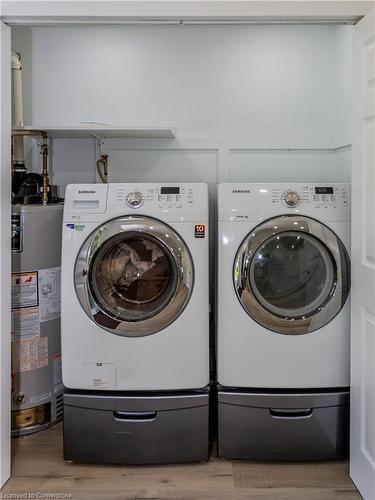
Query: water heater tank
x=36 y=346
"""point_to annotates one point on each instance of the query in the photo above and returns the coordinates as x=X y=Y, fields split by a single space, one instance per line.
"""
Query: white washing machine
x=283 y=320
x=135 y=322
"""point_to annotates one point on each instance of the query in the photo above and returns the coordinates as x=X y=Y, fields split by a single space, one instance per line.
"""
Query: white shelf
x=103 y=132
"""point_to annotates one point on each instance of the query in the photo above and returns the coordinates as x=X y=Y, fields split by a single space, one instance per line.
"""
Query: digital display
x=170 y=190
x=324 y=190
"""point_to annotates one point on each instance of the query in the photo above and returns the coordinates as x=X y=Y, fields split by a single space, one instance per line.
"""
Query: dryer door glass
x=292 y=274
x=134 y=276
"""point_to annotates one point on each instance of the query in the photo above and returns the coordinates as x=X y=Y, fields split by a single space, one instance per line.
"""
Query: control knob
x=291 y=198
x=134 y=199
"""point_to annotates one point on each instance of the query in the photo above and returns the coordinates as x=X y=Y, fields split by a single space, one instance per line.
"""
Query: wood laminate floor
x=38 y=467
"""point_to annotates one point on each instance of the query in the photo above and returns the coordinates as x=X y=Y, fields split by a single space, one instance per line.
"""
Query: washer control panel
x=167 y=201
x=164 y=197
x=135 y=199
x=175 y=197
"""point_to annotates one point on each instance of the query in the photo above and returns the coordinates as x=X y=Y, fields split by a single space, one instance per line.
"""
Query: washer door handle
x=298 y=413
x=135 y=416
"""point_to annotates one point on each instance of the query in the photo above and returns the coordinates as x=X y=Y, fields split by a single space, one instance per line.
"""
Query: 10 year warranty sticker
x=200 y=230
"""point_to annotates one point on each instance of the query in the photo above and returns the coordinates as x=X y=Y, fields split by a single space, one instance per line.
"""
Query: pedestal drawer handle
x=135 y=416
x=298 y=413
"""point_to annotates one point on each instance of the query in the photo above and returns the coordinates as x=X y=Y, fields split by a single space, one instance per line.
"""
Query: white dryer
x=283 y=320
x=135 y=322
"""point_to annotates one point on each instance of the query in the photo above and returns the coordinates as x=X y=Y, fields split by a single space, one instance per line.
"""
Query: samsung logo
x=86 y=191
x=241 y=191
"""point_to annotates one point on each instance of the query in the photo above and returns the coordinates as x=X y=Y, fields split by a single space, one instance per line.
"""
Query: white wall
x=249 y=102
x=343 y=118
x=225 y=81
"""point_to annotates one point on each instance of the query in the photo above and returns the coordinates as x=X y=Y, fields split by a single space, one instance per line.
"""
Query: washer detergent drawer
x=287 y=427
x=110 y=428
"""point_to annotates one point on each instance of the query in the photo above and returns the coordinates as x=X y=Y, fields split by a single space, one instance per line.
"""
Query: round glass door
x=134 y=276
x=292 y=275
x=292 y=281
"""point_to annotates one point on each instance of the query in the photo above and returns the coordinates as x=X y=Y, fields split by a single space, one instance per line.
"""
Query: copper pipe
x=44 y=152
x=103 y=160
x=45 y=171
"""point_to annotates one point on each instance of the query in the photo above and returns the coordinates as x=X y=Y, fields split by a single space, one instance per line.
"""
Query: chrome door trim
x=171 y=243
x=243 y=264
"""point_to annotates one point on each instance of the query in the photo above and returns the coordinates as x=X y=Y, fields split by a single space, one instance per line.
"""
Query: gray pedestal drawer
x=127 y=429
x=283 y=426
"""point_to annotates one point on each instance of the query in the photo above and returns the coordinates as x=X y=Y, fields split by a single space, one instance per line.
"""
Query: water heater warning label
x=24 y=290
x=29 y=354
x=25 y=323
x=49 y=293
x=200 y=230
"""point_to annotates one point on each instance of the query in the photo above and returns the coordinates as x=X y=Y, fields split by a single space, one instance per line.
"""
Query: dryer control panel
x=322 y=196
x=258 y=201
